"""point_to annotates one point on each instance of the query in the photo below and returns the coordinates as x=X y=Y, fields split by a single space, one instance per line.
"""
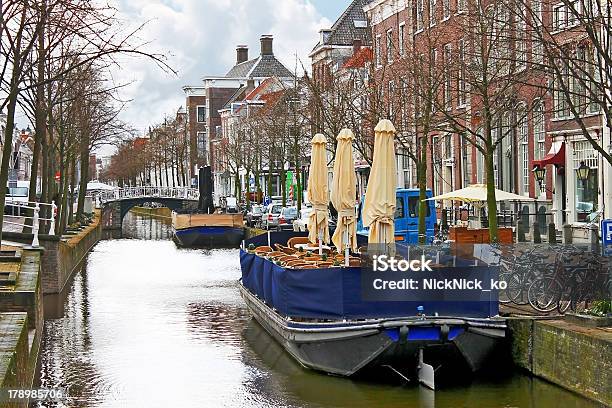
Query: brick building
x=204 y=102
x=539 y=130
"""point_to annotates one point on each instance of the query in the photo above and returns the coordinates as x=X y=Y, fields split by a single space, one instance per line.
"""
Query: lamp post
x=539 y=173
x=582 y=172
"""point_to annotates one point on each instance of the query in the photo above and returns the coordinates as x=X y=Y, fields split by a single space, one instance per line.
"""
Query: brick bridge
x=115 y=204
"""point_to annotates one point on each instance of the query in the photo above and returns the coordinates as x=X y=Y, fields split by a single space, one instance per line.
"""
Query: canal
x=145 y=324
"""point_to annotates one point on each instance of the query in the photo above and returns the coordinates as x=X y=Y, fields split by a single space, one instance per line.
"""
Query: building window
x=391 y=97
x=446 y=9
x=586 y=191
x=521 y=43
x=523 y=139
x=201 y=113
x=201 y=140
x=560 y=90
x=594 y=81
x=559 y=17
x=432 y=13
x=389 y=46
x=420 y=19
x=461 y=91
x=539 y=131
x=378 y=52
x=447 y=77
x=406 y=168
x=401 y=39
x=461 y=6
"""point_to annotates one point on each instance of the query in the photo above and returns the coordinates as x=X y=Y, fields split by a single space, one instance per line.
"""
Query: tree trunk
x=422 y=182
x=39 y=125
x=6 y=154
x=84 y=158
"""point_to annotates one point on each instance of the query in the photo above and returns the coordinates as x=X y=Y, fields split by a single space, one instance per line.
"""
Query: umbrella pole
x=346 y=247
x=320 y=241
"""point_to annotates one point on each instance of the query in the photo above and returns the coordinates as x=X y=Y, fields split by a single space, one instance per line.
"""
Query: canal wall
x=14 y=353
x=62 y=255
x=21 y=318
x=574 y=357
x=159 y=213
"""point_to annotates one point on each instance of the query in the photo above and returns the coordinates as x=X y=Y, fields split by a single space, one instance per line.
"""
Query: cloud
x=199 y=38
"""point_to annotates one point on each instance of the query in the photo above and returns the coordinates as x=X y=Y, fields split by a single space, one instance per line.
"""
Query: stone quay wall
x=575 y=357
x=61 y=257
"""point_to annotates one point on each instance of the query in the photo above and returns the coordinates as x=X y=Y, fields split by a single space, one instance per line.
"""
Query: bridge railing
x=186 y=193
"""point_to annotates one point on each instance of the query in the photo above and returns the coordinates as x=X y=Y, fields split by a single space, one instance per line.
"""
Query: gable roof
x=344 y=31
x=261 y=67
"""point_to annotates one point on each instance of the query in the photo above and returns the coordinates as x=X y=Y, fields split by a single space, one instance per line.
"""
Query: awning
x=555 y=156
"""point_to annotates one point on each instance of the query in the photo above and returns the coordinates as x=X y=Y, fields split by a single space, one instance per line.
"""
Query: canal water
x=145 y=324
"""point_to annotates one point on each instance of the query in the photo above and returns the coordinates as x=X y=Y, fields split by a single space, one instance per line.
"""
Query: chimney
x=242 y=53
x=356 y=45
x=266 y=45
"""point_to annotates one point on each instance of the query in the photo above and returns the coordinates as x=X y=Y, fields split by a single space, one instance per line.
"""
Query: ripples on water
x=145 y=324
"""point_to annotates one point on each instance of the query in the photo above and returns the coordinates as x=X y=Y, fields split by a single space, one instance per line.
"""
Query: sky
x=199 y=38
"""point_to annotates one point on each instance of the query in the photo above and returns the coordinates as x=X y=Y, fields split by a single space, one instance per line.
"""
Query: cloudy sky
x=200 y=36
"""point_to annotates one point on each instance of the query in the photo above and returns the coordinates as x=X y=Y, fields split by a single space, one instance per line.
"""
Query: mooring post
x=552 y=233
x=567 y=234
x=537 y=238
x=35 y=226
x=52 y=226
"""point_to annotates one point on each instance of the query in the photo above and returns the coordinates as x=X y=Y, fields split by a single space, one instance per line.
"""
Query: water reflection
x=146 y=324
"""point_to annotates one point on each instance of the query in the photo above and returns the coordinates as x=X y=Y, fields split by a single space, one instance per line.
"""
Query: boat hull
x=209 y=236
x=351 y=348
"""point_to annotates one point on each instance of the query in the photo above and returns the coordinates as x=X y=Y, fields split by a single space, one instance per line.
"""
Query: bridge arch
x=116 y=204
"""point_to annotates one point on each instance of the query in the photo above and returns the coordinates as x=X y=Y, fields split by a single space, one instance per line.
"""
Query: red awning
x=555 y=156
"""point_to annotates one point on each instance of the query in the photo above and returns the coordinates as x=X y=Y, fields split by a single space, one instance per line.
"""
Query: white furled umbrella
x=343 y=194
x=476 y=193
x=379 y=204
x=318 y=193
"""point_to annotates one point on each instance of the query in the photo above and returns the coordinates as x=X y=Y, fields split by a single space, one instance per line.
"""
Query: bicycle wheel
x=516 y=288
x=543 y=294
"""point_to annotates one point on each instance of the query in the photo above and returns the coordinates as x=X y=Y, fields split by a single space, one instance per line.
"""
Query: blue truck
x=407 y=217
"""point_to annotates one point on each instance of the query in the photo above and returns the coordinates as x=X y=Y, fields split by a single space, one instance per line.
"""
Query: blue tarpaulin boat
x=325 y=319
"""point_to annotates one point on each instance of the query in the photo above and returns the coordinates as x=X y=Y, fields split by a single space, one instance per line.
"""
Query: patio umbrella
x=478 y=192
x=318 y=192
x=343 y=194
x=379 y=204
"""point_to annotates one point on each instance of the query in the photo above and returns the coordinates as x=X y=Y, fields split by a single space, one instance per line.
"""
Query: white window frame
x=432 y=12
x=401 y=33
x=389 y=45
x=446 y=9
x=198 y=113
x=378 y=52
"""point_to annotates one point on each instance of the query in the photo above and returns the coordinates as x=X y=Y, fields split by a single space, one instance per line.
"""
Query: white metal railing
x=35 y=206
x=186 y=193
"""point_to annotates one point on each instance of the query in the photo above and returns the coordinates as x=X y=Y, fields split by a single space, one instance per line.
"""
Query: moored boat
x=208 y=230
x=318 y=314
x=207 y=226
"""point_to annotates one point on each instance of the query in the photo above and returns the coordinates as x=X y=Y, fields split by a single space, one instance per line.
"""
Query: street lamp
x=539 y=173
x=582 y=172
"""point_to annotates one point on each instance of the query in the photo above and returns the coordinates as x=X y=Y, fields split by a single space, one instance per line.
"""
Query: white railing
x=35 y=206
x=186 y=193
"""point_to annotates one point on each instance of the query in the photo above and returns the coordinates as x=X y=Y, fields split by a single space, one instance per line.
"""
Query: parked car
x=406 y=217
x=286 y=217
x=301 y=223
x=253 y=217
x=270 y=216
